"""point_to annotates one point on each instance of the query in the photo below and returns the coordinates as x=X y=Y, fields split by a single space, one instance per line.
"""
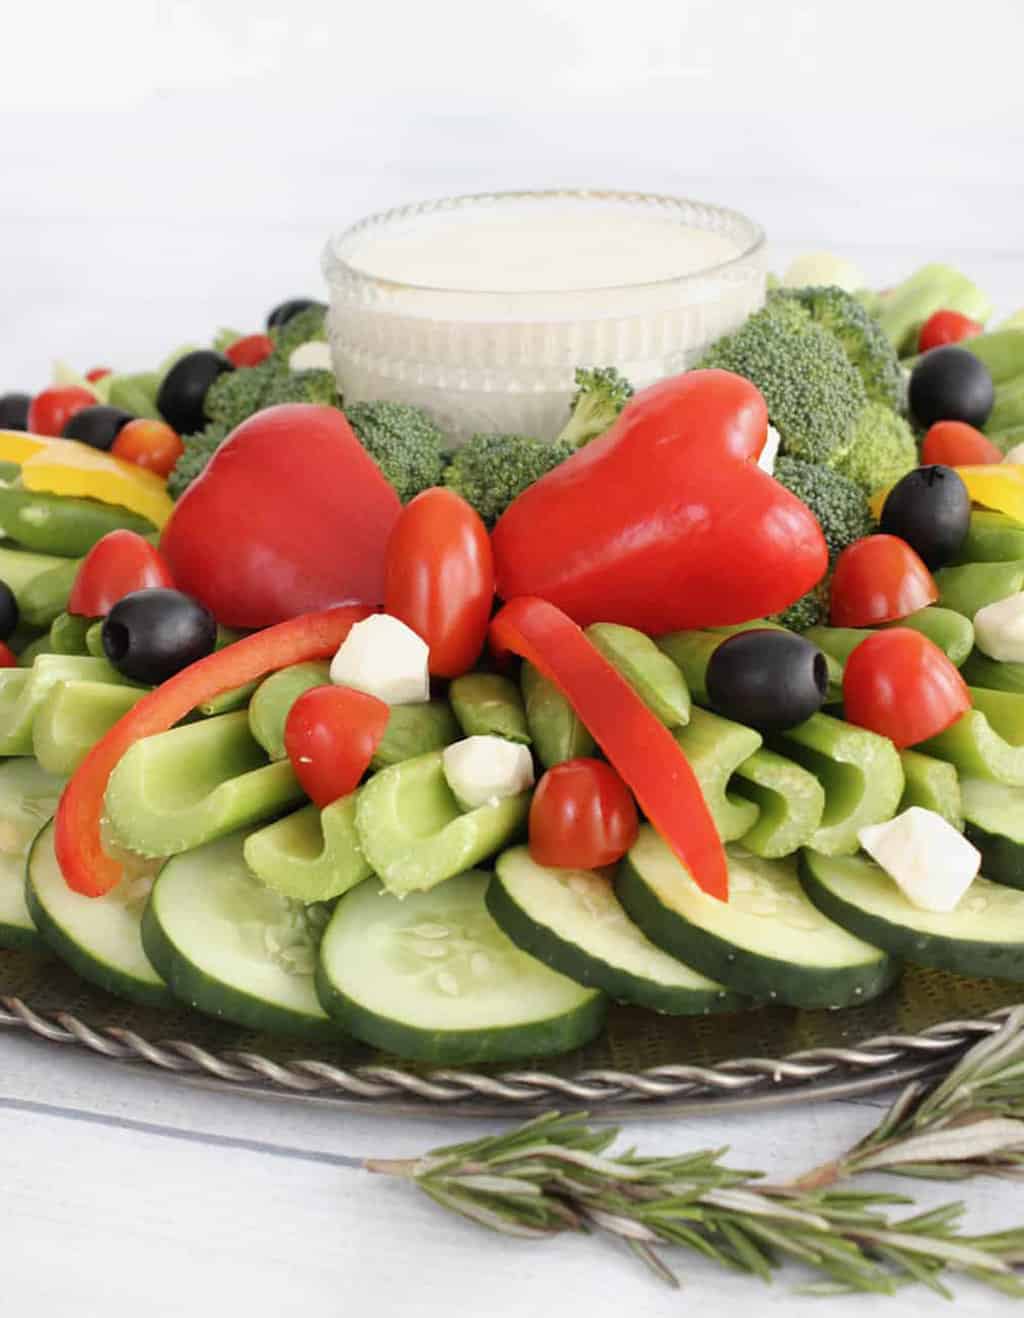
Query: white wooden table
x=182 y=174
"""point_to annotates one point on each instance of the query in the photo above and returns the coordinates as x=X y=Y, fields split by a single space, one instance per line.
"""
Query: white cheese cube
x=384 y=658
x=766 y=460
x=999 y=629
x=312 y=356
x=1016 y=454
x=484 y=770
x=932 y=863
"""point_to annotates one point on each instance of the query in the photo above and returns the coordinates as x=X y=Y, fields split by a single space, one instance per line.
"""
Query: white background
x=166 y=168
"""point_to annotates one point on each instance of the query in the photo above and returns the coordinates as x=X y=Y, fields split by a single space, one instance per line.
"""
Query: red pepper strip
x=641 y=749
x=85 y=865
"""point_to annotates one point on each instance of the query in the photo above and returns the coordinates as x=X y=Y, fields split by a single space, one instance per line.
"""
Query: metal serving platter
x=642 y=1063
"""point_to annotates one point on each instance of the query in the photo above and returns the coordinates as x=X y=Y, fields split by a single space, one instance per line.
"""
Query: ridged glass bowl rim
x=338 y=270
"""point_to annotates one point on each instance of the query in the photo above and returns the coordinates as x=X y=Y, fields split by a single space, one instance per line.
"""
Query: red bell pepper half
x=666 y=521
x=85 y=865
x=639 y=747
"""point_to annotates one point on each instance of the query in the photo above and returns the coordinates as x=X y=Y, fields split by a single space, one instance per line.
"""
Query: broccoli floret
x=489 y=471
x=862 y=338
x=814 y=394
x=302 y=328
x=404 y=441
x=601 y=394
x=841 y=508
x=236 y=395
x=199 y=449
x=881 y=451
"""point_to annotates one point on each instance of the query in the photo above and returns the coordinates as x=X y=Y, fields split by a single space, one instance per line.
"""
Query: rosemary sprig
x=556 y=1174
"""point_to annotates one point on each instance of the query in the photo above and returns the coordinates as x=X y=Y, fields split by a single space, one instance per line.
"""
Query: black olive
x=98 y=425
x=950 y=384
x=14 y=411
x=284 y=311
x=183 y=392
x=9 y=612
x=149 y=635
x=930 y=509
x=767 y=679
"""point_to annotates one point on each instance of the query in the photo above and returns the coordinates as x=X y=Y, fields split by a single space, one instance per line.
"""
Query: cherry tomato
x=943 y=327
x=900 y=684
x=122 y=561
x=251 y=350
x=879 y=579
x=956 y=444
x=50 y=411
x=8 y=659
x=154 y=445
x=439 y=578
x=331 y=735
x=98 y=373
x=582 y=816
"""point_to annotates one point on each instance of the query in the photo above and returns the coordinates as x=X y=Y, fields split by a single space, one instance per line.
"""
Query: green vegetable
x=882 y=449
x=992 y=538
x=489 y=471
x=312 y=855
x=489 y=705
x=23 y=690
x=1008 y=409
x=814 y=393
x=995 y=824
x=933 y=785
x=950 y=631
x=28 y=797
x=601 y=394
x=790 y=803
x=67 y=634
x=649 y=671
x=404 y=441
x=987 y=741
x=904 y=309
x=198 y=450
x=972 y=586
x=135 y=393
x=236 y=395
x=861 y=336
x=273 y=699
x=73 y=716
x=556 y=731
x=412 y=730
x=715 y=748
x=307 y=326
x=59 y=524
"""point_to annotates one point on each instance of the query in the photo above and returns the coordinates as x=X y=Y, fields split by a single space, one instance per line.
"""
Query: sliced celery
x=72 y=718
x=987 y=741
x=22 y=691
x=933 y=785
x=715 y=748
x=790 y=802
x=312 y=855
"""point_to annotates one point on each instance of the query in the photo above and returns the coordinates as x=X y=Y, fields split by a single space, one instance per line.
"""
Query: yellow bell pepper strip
x=16 y=445
x=85 y=865
x=64 y=466
x=995 y=485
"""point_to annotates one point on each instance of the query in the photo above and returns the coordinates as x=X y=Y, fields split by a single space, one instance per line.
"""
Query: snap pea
x=555 y=728
x=652 y=674
x=489 y=705
x=67 y=634
x=414 y=730
x=969 y=588
x=274 y=697
x=46 y=594
x=61 y=525
x=94 y=639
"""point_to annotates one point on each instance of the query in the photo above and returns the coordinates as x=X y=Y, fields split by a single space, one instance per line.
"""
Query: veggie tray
x=676 y=760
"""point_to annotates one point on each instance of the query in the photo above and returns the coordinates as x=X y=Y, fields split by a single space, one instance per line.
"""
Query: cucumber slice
x=73 y=717
x=790 y=804
x=488 y=705
x=573 y=922
x=969 y=588
x=432 y=977
x=933 y=785
x=994 y=815
x=649 y=671
x=715 y=748
x=312 y=855
x=983 y=937
x=99 y=937
x=28 y=798
x=179 y=789
x=768 y=941
x=860 y=772
x=992 y=538
x=556 y=732
x=23 y=690
x=230 y=947
x=987 y=741
x=413 y=833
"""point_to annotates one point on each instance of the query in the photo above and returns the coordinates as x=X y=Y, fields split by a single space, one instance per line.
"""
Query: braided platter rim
x=875 y=1063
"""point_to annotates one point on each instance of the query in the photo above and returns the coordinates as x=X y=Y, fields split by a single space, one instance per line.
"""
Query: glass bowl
x=502 y=358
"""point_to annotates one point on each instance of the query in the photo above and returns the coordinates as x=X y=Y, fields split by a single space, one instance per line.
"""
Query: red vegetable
x=98 y=373
x=290 y=516
x=665 y=521
x=50 y=411
x=900 y=684
x=582 y=816
x=640 y=749
x=957 y=444
x=85 y=865
x=8 y=659
x=154 y=445
x=250 y=351
x=331 y=735
x=439 y=578
x=943 y=327
x=879 y=579
x=117 y=564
